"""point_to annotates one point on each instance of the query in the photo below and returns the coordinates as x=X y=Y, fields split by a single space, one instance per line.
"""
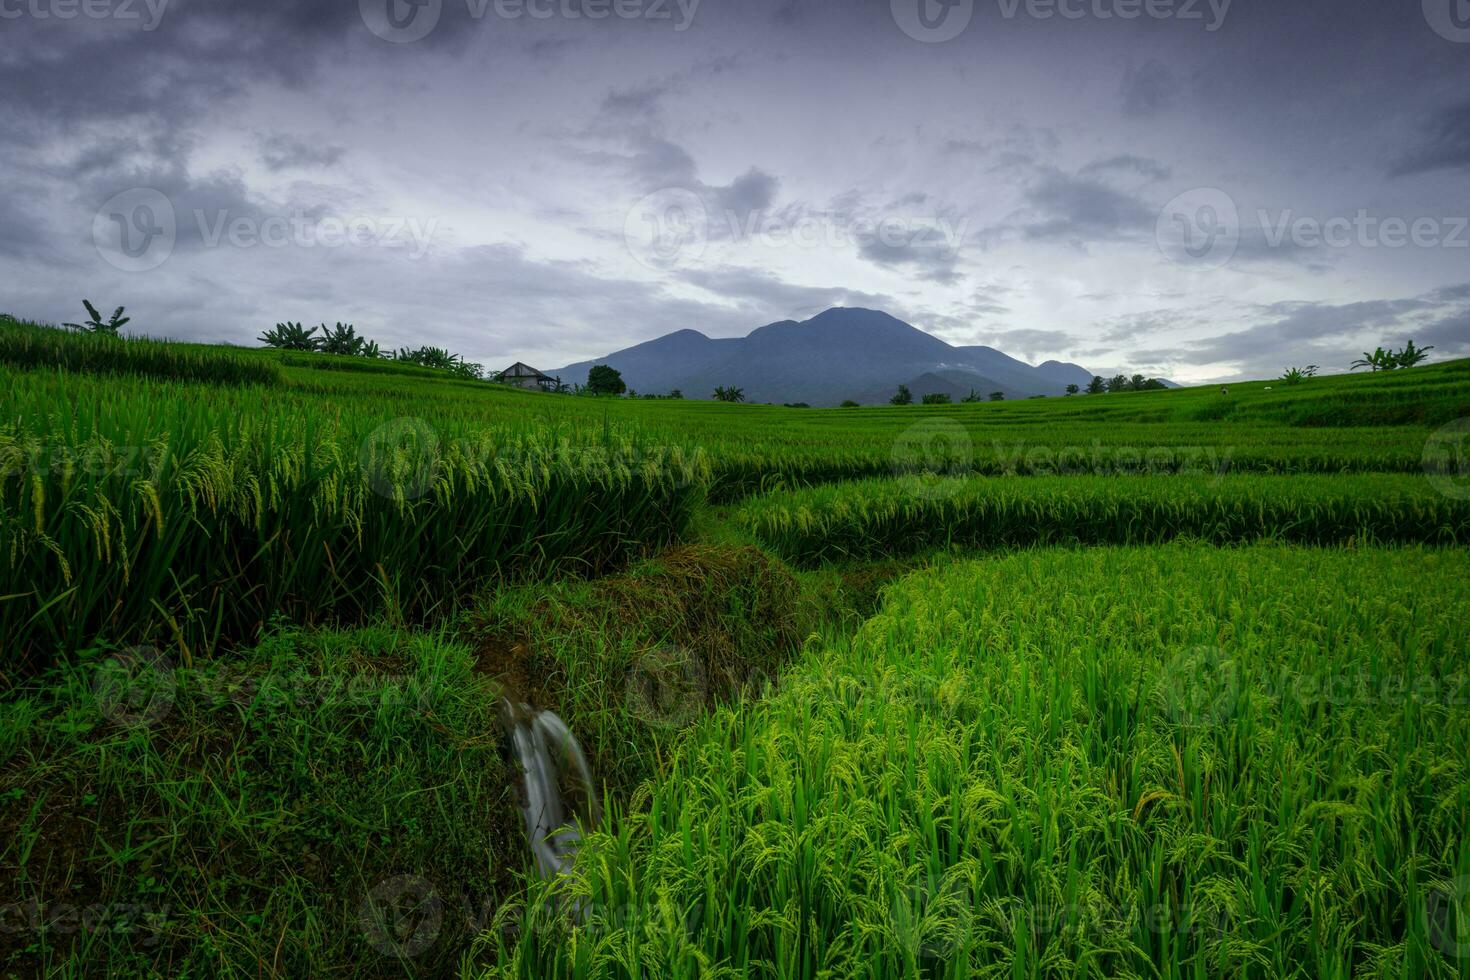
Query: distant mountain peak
x=840 y=353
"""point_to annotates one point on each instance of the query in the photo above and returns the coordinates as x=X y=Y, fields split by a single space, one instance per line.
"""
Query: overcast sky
x=1191 y=188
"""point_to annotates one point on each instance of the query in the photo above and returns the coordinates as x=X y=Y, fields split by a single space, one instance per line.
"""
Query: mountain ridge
x=841 y=353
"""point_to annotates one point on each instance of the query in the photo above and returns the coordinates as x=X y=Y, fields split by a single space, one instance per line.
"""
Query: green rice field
x=1163 y=684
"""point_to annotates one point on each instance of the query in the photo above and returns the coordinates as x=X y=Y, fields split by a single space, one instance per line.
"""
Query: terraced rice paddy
x=1166 y=684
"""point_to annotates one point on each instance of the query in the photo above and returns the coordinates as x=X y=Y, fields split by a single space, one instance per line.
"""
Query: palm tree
x=1411 y=355
x=731 y=394
x=110 y=326
x=1379 y=360
x=341 y=339
x=291 y=336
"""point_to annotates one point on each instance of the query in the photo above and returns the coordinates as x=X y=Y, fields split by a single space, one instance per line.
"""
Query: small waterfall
x=561 y=802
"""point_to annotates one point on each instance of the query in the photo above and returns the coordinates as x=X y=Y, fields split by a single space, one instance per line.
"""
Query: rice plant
x=907 y=515
x=1175 y=762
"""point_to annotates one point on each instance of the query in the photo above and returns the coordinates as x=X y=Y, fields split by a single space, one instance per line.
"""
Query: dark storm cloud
x=1444 y=144
x=1083 y=209
x=1027 y=344
x=1134 y=325
x=765 y=111
x=1148 y=89
x=1129 y=163
x=929 y=260
x=281 y=151
x=633 y=120
x=23 y=230
x=758 y=290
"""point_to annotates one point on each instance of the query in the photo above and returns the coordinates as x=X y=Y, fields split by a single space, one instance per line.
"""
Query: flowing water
x=560 y=802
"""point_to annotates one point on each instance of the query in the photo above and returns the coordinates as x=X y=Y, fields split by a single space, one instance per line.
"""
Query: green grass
x=231 y=819
x=911 y=514
x=158 y=513
x=33 y=345
x=1172 y=762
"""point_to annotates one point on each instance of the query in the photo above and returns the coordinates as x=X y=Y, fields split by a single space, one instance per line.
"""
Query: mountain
x=842 y=353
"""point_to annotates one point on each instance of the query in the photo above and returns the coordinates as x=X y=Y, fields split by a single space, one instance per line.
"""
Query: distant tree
x=936 y=398
x=849 y=403
x=1137 y=383
x=997 y=396
x=973 y=396
x=431 y=357
x=469 y=369
x=1294 y=376
x=341 y=339
x=1379 y=360
x=631 y=393
x=605 y=380
x=903 y=397
x=676 y=395
x=1118 y=382
x=1405 y=358
x=95 y=324
x=730 y=394
x=1072 y=389
x=1096 y=386
x=796 y=405
x=291 y=336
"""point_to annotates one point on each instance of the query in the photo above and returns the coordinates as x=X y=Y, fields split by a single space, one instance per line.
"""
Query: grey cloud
x=1028 y=342
x=279 y=151
x=1130 y=163
x=1321 y=333
x=1148 y=89
x=932 y=262
x=769 y=296
x=1444 y=144
x=1078 y=208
